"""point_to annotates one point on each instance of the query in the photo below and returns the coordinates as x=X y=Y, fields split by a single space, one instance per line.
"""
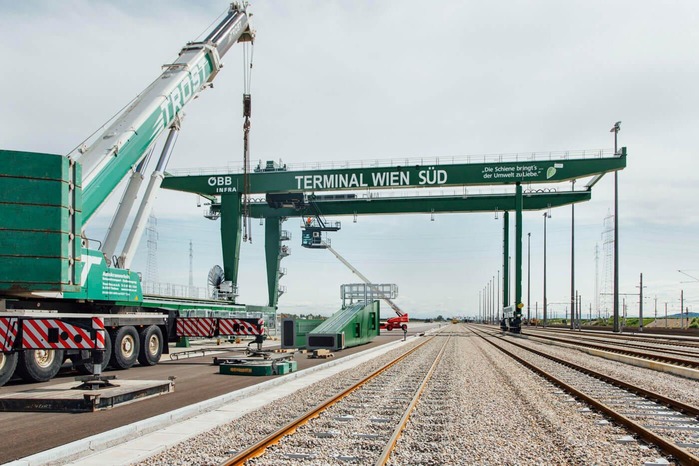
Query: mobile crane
x=62 y=299
x=401 y=321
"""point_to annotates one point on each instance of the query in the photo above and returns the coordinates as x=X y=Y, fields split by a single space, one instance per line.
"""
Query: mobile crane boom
x=393 y=305
x=60 y=299
x=126 y=141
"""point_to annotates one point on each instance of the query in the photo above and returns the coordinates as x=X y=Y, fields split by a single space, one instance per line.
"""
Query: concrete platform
x=66 y=398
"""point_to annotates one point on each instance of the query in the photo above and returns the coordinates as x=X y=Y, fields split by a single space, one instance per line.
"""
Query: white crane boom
x=393 y=305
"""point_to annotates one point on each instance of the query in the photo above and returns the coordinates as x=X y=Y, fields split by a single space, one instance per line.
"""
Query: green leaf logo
x=550 y=172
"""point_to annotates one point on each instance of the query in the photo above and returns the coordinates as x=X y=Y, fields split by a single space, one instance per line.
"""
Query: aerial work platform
x=352 y=326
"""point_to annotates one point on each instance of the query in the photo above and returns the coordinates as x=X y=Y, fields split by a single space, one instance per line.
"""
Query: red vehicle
x=401 y=321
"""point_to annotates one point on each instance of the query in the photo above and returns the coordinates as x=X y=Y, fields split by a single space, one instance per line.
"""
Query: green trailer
x=352 y=326
x=294 y=331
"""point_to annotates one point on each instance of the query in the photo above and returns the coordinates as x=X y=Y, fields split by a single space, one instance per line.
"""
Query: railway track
x=347 y=428
x=675 y=357
x=673 y=346
x=669 y=424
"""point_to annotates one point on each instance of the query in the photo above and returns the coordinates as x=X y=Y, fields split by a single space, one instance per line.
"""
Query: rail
x=682 y=362
x=258 y=449
x=683 y=455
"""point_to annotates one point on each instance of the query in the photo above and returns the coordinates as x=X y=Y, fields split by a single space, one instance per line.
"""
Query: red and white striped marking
x=195 y=326
x=98 y=324
x=241 y=326
x=35 y=335
x=8 y=333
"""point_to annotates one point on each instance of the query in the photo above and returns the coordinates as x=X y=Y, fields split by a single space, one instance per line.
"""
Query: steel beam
x=418 y=176
x=427 y=204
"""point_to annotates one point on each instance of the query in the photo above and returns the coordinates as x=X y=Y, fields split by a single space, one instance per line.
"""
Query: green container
x=294 y=331
x=293 y=366
x=40 y=223
x=245 y=369
x=283 y=368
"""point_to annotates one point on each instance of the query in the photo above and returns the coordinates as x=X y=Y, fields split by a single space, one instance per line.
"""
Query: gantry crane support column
x=519 y=203
x=231 y=235
x=505 y=260
x=273 y=245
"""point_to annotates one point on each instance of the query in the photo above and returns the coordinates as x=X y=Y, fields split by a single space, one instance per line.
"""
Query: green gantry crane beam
x=425 y=204
x=275 y=179
x=278 y=179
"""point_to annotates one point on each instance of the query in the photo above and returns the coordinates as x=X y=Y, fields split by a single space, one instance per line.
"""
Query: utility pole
x=545 y=310
x=656 y=307
x=682 y=308
x=191 y=270
x=529 y=278
x=615 y=129
x=573 y=299
x=640 y=305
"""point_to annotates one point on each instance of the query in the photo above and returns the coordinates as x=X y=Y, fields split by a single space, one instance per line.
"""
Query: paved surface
x=197 y=380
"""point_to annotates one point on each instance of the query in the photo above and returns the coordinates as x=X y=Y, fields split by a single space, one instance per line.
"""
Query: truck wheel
x=151 y=340
x=39 y=365
x=88 y=367
x=8 y=362
x=125 y=347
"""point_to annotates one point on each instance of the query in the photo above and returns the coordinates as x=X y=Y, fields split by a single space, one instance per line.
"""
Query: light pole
x=529 y=278
x=615 y=129
x=495 y=305
x=497 y=296
x=573 y=299
x=546 y=215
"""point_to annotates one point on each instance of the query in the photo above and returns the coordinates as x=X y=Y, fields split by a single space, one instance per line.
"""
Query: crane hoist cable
x=247 y=113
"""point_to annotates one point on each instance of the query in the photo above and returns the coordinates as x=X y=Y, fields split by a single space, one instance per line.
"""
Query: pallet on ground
x=321 y=354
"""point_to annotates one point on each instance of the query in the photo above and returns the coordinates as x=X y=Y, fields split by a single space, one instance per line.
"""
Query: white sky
x=349 y=80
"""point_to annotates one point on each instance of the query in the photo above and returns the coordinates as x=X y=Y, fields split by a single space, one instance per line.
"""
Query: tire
x=8 y=363
x=389 y=327
x=39 y=365
x=151 y=342
x=125 y=347
x=404 y=327
x=88 y=367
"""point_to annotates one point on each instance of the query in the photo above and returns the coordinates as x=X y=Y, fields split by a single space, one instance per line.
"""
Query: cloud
x=342 y=80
